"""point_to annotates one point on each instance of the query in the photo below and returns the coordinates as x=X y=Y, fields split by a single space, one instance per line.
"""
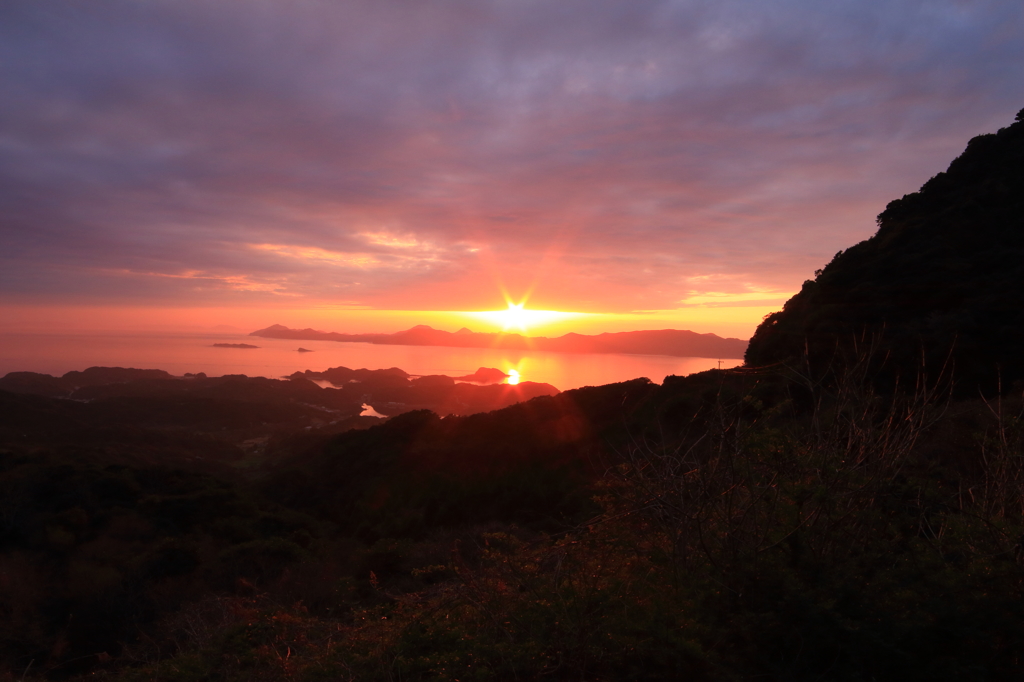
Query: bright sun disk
x=517 y=317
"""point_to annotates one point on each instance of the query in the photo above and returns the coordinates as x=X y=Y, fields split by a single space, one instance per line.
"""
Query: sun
x=518 y=318
x=514 y=317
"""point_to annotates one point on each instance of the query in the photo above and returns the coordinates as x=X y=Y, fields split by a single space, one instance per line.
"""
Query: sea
x=181 y=353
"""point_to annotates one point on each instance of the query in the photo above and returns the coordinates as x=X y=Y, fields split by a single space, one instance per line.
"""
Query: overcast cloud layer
x=608 y=156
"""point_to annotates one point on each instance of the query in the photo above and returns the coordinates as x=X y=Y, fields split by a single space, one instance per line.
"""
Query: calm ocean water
x=194 y=352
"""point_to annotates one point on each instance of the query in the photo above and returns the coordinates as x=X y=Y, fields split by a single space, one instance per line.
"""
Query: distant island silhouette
x=234 y=345
x=390 y=391
x=484 y=375
x=672 y=342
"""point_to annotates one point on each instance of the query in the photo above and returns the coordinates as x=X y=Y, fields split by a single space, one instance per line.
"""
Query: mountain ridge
x=671 y=342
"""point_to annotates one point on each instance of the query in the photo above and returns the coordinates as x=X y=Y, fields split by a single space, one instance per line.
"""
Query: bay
x=181 y=353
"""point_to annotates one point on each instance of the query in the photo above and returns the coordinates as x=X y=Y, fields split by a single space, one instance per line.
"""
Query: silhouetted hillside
x=418 y=471
x=944 y=271
x=720 y=526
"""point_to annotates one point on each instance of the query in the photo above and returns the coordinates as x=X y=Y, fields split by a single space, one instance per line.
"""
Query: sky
x=365 y=166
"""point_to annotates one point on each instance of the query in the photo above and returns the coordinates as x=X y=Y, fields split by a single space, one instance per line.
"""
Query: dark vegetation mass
x=837 y=509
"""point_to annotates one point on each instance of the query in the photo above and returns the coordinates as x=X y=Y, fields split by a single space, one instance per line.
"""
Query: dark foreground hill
x=720 y=526
x=943 y=277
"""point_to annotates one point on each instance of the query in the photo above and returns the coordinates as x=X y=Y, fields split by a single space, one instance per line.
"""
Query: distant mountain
x=678 y=343
x=942 y=278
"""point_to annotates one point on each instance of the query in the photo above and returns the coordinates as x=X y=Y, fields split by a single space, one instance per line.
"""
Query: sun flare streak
x=518 y=318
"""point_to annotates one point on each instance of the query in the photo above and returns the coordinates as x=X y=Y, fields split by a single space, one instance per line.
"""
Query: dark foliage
x=92 y=552
x=723 y=526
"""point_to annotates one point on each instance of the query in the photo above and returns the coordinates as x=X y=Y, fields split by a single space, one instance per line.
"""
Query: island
x=234 y=345
x=672 y=342
x=484 y=375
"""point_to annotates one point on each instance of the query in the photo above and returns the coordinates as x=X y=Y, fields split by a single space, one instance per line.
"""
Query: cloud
x=600 y=156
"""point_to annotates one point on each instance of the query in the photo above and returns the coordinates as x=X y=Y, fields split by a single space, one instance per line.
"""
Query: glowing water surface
x=180 y=353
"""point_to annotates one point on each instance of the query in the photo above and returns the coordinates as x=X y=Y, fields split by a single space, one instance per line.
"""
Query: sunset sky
x=367 y=166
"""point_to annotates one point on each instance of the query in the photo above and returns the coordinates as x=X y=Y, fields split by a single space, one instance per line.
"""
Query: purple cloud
x=605 y=155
